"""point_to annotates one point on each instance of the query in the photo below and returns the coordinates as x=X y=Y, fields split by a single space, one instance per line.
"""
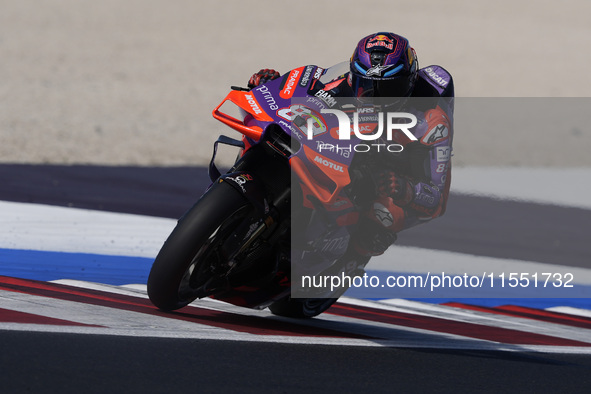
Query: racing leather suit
x=423 y=168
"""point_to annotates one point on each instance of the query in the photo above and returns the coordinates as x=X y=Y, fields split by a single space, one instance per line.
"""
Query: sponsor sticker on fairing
x=306 y=76
x=291 y=81
x=253 y=104
x=269 y=99
x=328 y=163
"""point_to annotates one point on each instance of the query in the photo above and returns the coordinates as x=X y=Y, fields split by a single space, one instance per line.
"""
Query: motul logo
x=328 y=164
x=253 y=104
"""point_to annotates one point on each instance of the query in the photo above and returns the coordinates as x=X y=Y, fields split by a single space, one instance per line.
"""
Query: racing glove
x=391 y=185
x=421 y=197
x=263 y=76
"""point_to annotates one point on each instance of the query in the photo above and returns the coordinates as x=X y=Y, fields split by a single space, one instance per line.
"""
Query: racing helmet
x=383 y=65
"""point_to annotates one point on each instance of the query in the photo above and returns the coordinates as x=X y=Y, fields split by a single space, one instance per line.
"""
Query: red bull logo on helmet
x=380 y=41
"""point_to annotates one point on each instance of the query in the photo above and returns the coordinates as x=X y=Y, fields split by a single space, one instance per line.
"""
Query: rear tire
x=184 y=269
x=301 y=307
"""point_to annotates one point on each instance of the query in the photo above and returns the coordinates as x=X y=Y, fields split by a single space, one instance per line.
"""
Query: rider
x=415 y=189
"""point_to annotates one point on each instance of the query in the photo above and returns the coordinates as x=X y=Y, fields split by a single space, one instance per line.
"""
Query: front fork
x=262 y=176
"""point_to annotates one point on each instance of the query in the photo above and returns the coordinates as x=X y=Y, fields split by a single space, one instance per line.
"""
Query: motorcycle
x=283 y=210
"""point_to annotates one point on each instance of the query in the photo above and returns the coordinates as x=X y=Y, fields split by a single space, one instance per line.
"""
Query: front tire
x=185 y=268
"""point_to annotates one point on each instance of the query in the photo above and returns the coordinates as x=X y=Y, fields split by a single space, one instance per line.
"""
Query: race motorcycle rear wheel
x=301 y=308
x=197 y=256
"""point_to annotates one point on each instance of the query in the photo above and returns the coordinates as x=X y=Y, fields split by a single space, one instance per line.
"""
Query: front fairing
x=295 y=88
x=319 y=161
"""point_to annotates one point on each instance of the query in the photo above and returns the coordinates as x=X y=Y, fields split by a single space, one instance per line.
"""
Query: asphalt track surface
x=489 y=227
x=49 y=362
x=63 y=362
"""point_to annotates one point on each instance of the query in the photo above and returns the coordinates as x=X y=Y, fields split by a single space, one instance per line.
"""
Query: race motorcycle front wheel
x=202 y=249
